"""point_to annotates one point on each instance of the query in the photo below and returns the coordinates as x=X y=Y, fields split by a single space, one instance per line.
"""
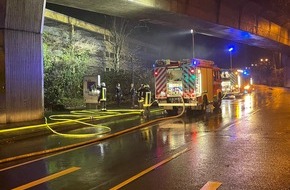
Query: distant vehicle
x=236 y=82
x=197 y=82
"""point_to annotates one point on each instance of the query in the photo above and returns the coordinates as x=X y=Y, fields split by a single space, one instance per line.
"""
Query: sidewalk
x=26 y=139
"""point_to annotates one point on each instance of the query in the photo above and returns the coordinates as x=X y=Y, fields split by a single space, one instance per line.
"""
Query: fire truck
x=193 y=83
x=236 y=82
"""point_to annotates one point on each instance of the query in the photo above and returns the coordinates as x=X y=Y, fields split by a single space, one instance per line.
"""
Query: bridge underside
x=240 y=21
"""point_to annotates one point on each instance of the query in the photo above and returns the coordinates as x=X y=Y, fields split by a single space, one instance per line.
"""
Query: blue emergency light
x=194 y=62
x=246 y=73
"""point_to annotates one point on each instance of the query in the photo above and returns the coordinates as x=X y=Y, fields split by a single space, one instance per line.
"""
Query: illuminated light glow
x=191 y=31
x=231 y=49
x=245 y=73
x=239 y=81
x=200 y=82
x=248 y=103
x=251 y=81
x=245 y=35
x=155 y=73
x=194 y=62
x=247 y=87
x=240 y=71
x=148 y=3
x=238 y=111
x=162 y=93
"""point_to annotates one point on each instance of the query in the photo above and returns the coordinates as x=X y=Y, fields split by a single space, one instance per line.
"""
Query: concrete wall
x=286 y=63
x=21 y=61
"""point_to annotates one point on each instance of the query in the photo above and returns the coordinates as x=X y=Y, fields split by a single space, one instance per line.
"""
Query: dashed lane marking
x=48 y=178
x=148 y=170
x=211 y=185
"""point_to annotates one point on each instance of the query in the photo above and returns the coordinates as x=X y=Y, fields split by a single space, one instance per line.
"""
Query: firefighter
x=146 y=100
x=132 y=93
x=102 y=98
x=140 y=96
x=118 y=94
x=145 y=89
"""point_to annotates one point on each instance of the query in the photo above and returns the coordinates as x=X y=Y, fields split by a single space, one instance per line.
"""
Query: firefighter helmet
x=146 y=86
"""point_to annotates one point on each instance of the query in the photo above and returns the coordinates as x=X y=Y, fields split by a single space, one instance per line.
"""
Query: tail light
x=155 y=73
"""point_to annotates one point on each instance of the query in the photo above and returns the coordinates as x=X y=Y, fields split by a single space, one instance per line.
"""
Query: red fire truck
x=193 y=83
x=236 y=82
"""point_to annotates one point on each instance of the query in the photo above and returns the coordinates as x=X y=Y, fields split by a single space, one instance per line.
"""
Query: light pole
x=231 y=59
x=192 y=36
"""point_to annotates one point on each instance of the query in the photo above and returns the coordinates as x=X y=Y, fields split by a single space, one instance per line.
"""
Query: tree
x=66 y=58
x=120 y=30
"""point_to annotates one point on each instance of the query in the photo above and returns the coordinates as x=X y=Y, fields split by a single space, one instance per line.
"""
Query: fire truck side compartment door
x=207 y=82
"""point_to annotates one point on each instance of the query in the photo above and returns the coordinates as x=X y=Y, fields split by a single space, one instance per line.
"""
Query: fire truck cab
x=193 y=83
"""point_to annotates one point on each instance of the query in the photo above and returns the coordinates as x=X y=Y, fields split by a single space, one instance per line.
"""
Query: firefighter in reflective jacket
x=146 y=101
x=140 y=96
x=102 y=98
x=146 y=95
x=142 y=91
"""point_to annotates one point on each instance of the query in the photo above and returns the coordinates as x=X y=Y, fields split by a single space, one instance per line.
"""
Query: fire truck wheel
x=172 y=112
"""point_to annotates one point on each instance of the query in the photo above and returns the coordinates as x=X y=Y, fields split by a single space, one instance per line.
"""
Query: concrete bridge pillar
x=286 y=63
x=21 y=60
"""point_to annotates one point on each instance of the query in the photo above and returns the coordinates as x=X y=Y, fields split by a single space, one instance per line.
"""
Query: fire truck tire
x=172 y=112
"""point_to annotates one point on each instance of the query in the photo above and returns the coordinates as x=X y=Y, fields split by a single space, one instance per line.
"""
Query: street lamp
x=192 y=36
x=231 y=59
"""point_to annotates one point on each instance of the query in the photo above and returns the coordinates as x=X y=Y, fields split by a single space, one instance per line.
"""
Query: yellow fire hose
x=86 y=114
x=92 y=141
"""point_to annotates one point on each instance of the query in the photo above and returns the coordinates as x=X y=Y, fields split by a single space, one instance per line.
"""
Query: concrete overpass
x=244 y=21
x=21 y=63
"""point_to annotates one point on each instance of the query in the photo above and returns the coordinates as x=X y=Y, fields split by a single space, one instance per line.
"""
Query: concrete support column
x=21 y=60
x=286 y=63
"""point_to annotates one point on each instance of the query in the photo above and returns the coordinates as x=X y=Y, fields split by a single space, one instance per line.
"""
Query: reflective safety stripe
x=103 y=94
x=147 y=99
x=160 y=81
x=188 y=80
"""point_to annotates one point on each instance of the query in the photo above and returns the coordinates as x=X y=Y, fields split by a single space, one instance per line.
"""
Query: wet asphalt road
x=244 y=145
